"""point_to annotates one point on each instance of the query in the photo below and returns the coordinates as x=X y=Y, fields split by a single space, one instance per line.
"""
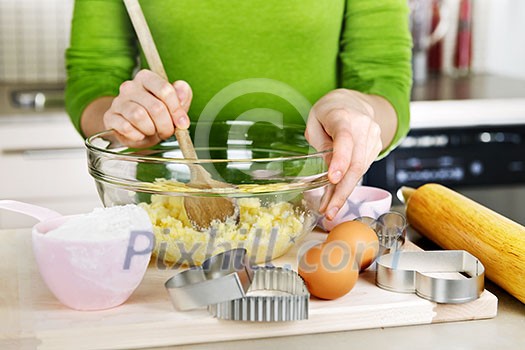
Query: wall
x=499 y=37
x=33 y=37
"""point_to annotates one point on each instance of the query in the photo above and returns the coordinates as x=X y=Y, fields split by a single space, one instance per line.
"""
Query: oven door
x=487 y=164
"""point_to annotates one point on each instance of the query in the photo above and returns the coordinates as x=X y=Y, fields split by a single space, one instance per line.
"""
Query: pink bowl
x=363 y=201
x=88 y=275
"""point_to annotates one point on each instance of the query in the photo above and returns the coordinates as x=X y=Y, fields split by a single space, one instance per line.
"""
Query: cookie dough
x=266 y=230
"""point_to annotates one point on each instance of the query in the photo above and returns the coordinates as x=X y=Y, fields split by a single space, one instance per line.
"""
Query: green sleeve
x=376 y=55
x=101 y=54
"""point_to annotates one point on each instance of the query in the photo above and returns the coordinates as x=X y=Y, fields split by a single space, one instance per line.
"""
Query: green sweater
x=302 y=49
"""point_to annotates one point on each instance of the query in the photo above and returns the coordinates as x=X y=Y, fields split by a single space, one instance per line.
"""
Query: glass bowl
x=272 y=168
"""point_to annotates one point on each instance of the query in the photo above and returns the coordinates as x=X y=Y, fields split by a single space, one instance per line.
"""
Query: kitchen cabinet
x=43 y=162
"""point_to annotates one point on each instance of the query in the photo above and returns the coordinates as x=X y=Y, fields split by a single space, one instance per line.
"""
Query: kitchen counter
x=26 y=101
x=475 y=86
x=505 y=331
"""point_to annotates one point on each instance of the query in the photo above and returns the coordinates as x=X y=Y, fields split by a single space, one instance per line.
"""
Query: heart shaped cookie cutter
x=451 y=276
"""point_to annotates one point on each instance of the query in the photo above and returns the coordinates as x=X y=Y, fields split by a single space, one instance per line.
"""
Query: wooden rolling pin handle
x=454 y=221
x=407 y=192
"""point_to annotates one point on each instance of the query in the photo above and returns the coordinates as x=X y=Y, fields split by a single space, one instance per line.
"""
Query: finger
x=185 y=94
x=159 y=87
x=165 y=92
x=123 y=127
x=316 y=135
x=337 y=122
x=357 y=168
x=318 y=138
x=146 y=142
x=138 y=116
x=375 y=145
x=341 y=193
x=158 y=113
x=329 y=192
x=365 y=150
x=342 y=155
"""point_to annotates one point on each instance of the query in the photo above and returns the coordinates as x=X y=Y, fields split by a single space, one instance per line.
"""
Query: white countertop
x=466 y=113
x=424 y=114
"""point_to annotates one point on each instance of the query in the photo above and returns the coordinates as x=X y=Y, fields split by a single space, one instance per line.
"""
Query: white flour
x=104 y=224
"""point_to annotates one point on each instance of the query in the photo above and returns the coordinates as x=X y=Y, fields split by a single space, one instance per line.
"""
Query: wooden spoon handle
x=185 y=143
x=155 y=63
x=145 y=38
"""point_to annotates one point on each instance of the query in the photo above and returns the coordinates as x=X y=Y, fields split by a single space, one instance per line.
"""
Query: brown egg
x=361 y=239
x=329 y=270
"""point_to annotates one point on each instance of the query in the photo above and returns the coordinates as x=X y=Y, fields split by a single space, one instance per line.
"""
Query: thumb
x=184 y=93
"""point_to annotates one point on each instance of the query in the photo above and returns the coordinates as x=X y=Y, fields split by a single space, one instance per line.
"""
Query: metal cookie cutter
x=222 y=277
x=453 y=276
x=391 y=228
x=276 y=294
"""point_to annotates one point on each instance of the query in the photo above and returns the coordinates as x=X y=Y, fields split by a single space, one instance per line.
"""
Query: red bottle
x=463 y=52
x=435 y=52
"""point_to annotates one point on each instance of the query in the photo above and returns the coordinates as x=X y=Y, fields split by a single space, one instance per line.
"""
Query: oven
x=476 y=147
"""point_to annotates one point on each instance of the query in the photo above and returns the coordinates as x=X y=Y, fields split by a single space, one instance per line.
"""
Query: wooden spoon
x=200 y=210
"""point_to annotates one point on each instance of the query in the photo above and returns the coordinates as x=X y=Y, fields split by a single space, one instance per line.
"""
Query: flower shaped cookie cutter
x=234 y=290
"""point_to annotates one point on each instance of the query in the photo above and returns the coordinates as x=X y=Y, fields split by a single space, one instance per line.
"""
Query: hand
x=343 y=120
x=148 y=109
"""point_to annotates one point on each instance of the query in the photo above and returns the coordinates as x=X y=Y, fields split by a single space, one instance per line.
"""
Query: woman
x=349 y=58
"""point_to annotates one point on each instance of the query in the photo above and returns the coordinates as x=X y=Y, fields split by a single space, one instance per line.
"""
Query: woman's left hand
x=344 y=120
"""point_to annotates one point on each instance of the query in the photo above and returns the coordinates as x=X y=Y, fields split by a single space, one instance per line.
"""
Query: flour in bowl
x=104 y=224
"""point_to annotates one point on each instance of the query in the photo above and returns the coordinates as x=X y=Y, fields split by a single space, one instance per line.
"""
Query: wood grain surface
x=454 y=221
x=30 y=316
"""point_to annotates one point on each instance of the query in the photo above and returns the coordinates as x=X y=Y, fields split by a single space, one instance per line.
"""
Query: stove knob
x=476 y=168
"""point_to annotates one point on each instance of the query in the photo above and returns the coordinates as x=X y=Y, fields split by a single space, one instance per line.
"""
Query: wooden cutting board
x=31 y=316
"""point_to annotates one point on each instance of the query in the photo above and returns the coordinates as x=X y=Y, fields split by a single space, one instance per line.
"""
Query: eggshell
x=361 y=239
x=329 y=270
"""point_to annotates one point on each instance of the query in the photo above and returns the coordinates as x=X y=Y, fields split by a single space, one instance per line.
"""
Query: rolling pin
x=454 y=221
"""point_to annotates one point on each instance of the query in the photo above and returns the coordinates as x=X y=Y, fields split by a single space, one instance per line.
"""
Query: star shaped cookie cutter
x=391 y=230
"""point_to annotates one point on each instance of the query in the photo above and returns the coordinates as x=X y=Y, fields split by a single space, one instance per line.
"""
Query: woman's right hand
x=148 y=109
